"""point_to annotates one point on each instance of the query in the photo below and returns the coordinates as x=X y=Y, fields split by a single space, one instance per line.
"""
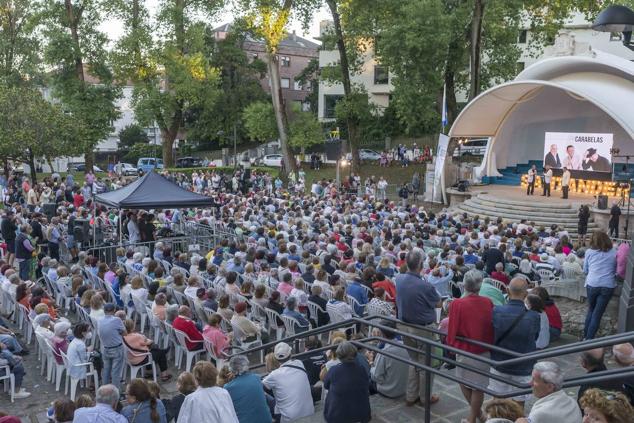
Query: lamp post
x=340 y=163
x=616 y=19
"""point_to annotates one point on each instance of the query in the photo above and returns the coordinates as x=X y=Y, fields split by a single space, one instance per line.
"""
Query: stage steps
x=543 y=214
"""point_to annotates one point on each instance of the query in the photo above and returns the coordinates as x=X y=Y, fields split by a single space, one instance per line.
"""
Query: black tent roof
x=152 y=191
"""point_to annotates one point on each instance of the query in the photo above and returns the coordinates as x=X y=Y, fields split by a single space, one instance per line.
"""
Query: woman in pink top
x=138 y=345
x=214 y=334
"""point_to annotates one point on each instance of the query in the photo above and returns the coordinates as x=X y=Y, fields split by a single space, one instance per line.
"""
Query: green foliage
x=259 y=121
x=305 y=130
x=31 y=126
x=310 y=75
x=274 y=172
x=136 y=151
x=132 y=135
x=81 y=78
x=20 y=59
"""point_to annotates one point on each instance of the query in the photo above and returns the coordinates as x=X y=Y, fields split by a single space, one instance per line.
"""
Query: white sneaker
x=22 y=394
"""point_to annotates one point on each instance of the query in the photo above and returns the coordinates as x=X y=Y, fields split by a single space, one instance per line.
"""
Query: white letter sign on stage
x=439 y=167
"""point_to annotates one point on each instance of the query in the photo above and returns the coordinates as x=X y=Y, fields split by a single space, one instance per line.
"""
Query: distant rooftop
x=291 y=40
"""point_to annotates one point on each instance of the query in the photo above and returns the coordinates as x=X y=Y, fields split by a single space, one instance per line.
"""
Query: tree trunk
x=344 y=64
x=168 y=144
x=31 y=160
x=5 y=166
x=280 y=111
x=476 y=47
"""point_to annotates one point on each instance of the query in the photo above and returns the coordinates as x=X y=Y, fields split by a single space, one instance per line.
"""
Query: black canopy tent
x=152 y=191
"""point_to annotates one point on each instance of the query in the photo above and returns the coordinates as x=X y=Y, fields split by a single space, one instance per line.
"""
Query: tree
x=131 y=135
x=20 y=58
x=305 y=130
x=172 y=75
x=239 y=84
x=268 y=19
x=32 y=127
x=81 y=77
x=259 y=121
x=310 y=75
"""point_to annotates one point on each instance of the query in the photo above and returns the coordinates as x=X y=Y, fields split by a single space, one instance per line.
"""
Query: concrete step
x=520 y=214
x=542 y=205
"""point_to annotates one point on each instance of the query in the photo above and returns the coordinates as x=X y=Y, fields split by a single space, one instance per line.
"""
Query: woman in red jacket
x=554 y=317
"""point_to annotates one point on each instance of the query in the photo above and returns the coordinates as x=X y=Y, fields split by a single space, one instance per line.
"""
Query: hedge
x=227 y=169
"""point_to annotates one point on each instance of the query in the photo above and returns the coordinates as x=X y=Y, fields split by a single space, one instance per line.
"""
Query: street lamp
x=616 y=19
x=340 y=163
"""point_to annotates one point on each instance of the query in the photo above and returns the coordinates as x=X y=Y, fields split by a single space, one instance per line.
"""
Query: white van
x=472 y=147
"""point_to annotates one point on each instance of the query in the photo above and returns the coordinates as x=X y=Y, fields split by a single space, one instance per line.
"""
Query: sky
x=114 y=27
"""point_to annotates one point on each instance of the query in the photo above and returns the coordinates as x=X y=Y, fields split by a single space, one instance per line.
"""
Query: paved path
x=451 y=407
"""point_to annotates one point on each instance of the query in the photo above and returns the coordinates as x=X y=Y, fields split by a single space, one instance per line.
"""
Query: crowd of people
x=299 y=261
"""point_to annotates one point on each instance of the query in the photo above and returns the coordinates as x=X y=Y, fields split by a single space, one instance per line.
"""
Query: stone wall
x=573 y=316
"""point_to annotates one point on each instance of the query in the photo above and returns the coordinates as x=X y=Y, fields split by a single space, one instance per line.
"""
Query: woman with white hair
x=246 y=392
x=137 y=259
x=572 y=268
x=195 y=261
x=526 y=269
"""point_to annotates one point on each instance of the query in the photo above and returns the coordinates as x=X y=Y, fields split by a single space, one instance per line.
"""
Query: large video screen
x=584 y=154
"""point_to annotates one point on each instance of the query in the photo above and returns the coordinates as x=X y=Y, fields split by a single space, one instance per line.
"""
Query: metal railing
x=429 y=345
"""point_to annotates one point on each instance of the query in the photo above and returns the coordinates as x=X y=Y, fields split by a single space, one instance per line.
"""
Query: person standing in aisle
x=532 y=174
x=565 y=183
x=548 y=175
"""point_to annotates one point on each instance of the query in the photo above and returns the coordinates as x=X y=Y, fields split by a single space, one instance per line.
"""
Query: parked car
x=125 y=169
x=472 y=147
x=272 y=160
x=81 y=167
x=147 y=164
x=366 y=155
x=189 y=162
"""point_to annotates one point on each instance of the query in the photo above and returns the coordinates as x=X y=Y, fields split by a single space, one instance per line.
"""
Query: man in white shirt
x=532 y=174
x=553 y=404
x=133 y=229
x=565 y=183
x=548 y=174
x=290 y=386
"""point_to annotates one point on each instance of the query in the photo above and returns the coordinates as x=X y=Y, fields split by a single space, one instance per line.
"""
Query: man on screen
x=593 y=161
x=571 y=160
x=552 y=157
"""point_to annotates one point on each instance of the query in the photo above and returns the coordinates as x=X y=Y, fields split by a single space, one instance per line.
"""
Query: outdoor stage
x=512 y=204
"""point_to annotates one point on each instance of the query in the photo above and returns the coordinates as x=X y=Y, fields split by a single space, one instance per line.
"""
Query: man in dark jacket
x=592 y=362
x=615 y=215
x=8 y=229
x=516 y=329
x=322 y=318
x=491 y=257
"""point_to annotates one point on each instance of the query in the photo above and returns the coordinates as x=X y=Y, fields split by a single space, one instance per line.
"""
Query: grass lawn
x=393 y=174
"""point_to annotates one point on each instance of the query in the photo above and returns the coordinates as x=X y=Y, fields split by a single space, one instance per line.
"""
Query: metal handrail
x=428 y=344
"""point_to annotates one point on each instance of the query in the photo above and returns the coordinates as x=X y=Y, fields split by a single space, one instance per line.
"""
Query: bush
x=274 y=172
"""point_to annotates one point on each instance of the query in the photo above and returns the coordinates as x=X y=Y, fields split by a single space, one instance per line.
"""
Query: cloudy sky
x=114 y=28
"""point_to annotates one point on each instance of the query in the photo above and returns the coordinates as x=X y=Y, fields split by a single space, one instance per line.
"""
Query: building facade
x=295 y=53
x=576 y=35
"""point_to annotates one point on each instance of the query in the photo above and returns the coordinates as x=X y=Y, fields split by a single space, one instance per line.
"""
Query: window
x=330 y=101
x=521 y=39
x=616 y=36
x=305 y=106
x=297 y=86
x=285 y=61
x=381 y=76
x=286 y=82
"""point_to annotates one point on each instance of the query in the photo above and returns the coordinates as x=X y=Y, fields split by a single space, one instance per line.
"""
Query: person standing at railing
x=471 y=317
x=416 y=301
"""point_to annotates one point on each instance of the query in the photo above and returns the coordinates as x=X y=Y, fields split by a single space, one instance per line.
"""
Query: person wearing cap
x=111 y=331
x=290 y=386
x=544 y=263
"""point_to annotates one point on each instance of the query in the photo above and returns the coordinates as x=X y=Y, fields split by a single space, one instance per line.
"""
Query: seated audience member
x=210 y=300
x=379 y=305
x=63 y=410
x=388 y=374
x=499 y=274
x=17 y=369
x=593 y=361
x=185 y=324
x=572 y=268
x=289 y=386
x=250 y=330
x=553 y=404
x=208 y=403
x=322 y=317
x=138 y=347
x=142 y=406
x=314 y=362
x=185 y=385
x=502 y=411
x=216 y=337
x=534 y=302
x=551 y=310
x=247 y=393
x=159 y=308
x=107 y=402
x=302 y=324
x=601 y=406
x=389 y=287
x=487 y=289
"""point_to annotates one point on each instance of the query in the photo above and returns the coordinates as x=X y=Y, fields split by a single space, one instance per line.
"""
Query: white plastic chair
x=496 y=283
x=355 y=304
x=258 y=312
x=134 y=368
x=7 y=375
x=72 y=381
x=190 y=356
x=546 y=275
x=238 y=337
x=55 y=370
x=209 y=347
x=272 y=316
x=24 y=322
x=140 y=309
x=314 y=311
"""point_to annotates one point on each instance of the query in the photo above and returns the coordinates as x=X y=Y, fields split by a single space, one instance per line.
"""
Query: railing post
x=427 y=383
